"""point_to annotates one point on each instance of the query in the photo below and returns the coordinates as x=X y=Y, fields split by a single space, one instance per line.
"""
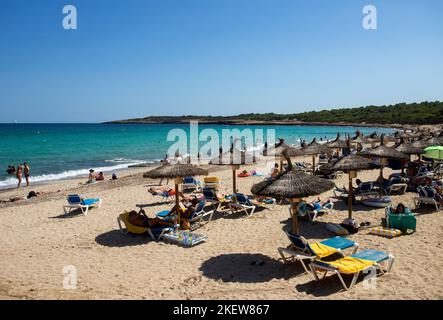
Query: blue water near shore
x=60 y=151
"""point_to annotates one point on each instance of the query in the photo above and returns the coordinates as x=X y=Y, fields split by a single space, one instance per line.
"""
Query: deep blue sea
x=59 y=151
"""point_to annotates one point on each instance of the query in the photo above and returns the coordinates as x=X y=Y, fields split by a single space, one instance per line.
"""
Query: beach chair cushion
x=338 y=243
x=74 y=199
x=90 y=202
x=321 y=250
x=372 y=255
x=348 y=265
x=385 y=232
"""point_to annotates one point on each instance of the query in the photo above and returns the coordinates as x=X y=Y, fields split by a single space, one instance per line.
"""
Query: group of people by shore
x=22 y=169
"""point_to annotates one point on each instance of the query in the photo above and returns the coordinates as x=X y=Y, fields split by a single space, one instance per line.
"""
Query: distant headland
x=398 y=115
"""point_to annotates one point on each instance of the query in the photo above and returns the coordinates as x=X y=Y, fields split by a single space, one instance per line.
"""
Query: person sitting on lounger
x=142 y=220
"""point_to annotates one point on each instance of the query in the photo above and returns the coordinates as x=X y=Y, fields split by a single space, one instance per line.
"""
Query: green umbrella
x=434 y=152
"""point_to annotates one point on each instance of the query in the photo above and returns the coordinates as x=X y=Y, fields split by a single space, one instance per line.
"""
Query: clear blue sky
x=172 y=57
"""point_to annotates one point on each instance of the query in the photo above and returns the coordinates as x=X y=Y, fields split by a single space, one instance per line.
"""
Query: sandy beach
x=38 y=241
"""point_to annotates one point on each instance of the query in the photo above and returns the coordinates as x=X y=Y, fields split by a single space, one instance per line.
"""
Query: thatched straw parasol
x=175 y=171
x=293 y=185
x=277 y=151
x=383 y=152
x=313 y=149
x=434 y=141
x=421 y=144
x=351 y=164
x=234 y=158
x=337 y=143
x=409 y=149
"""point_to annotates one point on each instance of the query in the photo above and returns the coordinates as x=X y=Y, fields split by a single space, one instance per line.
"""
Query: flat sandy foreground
x=37 y=241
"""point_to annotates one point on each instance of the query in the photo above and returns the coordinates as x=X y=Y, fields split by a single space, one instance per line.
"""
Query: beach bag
x=351 y=225
x=337 y=229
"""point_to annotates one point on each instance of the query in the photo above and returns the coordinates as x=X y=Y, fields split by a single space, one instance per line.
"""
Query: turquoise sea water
x=58 y=151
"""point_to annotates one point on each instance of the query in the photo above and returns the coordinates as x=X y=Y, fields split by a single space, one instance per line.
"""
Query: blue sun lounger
x=77 y=202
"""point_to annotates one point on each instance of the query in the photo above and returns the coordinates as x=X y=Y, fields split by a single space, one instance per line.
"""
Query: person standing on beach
x=19 y=175
x=27 y=172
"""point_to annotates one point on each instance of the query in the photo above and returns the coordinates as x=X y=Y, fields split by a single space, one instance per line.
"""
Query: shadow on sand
x=247 y=268
x=115 y=238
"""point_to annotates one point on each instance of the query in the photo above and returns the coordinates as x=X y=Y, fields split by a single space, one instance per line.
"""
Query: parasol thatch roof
x=233 y=157
x=292 y=184
x=337 y=143
x=421 y=144
x=277 y=150
x=315 y=148
x=383 y=151
x=175 y=171
x=353 y=162
x=434 y=141
x=408 y=148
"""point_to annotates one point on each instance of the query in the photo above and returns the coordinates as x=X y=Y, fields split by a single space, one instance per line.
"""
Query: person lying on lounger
x=142 y=220
x=161 y=191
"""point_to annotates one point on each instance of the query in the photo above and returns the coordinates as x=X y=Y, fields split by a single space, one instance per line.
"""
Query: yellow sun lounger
x=155 y=233
x=363 y=261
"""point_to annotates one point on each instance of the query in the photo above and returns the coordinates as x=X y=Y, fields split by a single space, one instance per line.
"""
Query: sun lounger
x=77 y=202
x=426 y=197
x=190 y=183
x=241 y=202
x=211 y=197
x=199 y=212
x=302 y=250
x=303 y=210
x=359 y=262
x=365 y=189
x=395 y=184
x=212 y=182
x=155 y=233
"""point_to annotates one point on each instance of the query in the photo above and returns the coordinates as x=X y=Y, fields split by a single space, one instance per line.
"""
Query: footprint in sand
x=192 y=280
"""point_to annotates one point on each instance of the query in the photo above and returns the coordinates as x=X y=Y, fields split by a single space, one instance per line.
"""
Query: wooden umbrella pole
x=294 y=216
x=313 y=164
x=234 y=182
x=177 y=200
x=351 y=192
x=382 y=162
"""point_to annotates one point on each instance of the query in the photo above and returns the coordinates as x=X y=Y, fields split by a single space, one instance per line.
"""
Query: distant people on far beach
x=19 y=175
x=10 y=170
x=91 y=177
x=100 y=177
x=27 y=172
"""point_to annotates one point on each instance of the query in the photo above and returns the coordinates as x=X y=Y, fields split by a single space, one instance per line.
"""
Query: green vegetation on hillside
x=402 y=113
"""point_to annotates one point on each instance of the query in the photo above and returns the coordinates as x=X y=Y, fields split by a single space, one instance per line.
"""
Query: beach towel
x=322 y=250
x=351 y=265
